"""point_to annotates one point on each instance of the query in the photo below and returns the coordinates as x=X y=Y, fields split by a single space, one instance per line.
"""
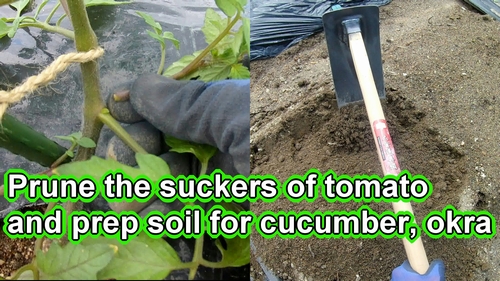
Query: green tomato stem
x=212 y=264
x=162 y=61
x=111 y=122
x=40 y=7
x=199 y=59
x=45 y=26
x=63 y=157
x=181 y=266
x=86 y=40
x=11 y=20
x=30 y=18
x=49 y=17
x=197 y=257
x=27 y=267
x=58 y=23
x=204 y=167
x=6 y=2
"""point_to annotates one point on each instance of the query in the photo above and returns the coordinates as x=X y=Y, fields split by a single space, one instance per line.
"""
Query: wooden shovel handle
x=415 y=251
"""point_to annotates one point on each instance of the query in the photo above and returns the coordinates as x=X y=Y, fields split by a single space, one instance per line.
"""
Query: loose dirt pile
x=15 y=253
x=441 y=62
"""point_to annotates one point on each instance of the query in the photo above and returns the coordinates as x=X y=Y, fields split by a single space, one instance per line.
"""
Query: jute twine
x=45 y=77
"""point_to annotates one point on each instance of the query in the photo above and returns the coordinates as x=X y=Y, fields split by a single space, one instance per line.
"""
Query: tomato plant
x=227 y=36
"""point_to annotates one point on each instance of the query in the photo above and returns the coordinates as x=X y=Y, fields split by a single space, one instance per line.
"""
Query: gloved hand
x=404 y=272
x=215 y=113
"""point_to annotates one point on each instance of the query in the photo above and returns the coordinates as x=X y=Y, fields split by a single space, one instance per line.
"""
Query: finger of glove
x=147 y=136
x=224 y=162
x=217 y=114
x=122 y=111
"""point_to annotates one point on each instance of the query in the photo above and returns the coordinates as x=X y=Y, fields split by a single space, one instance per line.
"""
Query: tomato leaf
x=213 y=27
x=20 y=5
x=170 y=36
x=86 y=142
x=237 y=251
x=238 y=40
x=240 y=5
x=180 y=64
x=40 y=7
x=15 y=26
x=202 y=151
x=149 y=165
x=76 y=135
x=149 y=20
x=246 y=35
x=239 y=71
x=143 y=258
x=214 y=24
x=218 y=66
x=155 y=166
x=215 y=72
x=4 y=28
x=226 y=6
x=26 y=275
x=74 y=261
x=157 y=37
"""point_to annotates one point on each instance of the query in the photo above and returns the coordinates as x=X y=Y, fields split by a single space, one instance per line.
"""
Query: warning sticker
x=390 y=161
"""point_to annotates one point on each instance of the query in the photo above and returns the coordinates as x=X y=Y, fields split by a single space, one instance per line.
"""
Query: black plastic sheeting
x=129 y=51
x=276 y=25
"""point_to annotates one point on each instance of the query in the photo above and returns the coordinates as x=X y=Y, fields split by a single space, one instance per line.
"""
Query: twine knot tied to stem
x=45 y=77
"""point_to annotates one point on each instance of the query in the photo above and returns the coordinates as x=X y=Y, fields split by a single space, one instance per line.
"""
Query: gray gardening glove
x=215 y=113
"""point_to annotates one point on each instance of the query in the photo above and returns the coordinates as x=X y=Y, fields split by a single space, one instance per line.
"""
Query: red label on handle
x=389 y=158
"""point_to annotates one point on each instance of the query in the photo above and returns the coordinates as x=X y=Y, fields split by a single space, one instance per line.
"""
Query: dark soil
x=15 y=253
x=441 y=62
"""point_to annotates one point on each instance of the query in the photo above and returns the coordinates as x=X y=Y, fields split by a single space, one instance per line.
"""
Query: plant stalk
x=6 y=2
x=63 y=157
x=212 y=264
x=20 y=271
x=86 y=40
x=199 y=59
x=56 y=29
x=111 y=122
x=203 y=169
x=58 y=23
x=197 y=256
x=162 y=61
x=49 y=17
x=193 y=65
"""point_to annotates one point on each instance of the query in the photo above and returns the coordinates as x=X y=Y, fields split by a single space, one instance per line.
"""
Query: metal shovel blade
x=344 y=74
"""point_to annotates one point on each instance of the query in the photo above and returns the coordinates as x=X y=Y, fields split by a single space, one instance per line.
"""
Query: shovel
x=353 y=41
